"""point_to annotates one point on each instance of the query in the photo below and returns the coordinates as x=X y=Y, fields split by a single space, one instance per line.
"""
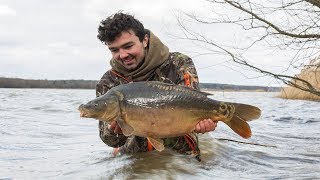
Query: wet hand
x=205 y=125
x=113 y=126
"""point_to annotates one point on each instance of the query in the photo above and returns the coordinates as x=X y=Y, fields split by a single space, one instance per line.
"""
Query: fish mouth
x=83 y=111
x=83 y=114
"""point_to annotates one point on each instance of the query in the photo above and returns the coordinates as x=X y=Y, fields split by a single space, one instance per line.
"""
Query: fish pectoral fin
x=157 y=143
x=127 y=130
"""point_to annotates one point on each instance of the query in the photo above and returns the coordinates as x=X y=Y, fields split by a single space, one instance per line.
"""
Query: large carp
x=158 y=110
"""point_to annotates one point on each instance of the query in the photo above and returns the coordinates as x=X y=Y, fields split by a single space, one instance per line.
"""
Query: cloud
x=57 y=39
x=7 y=11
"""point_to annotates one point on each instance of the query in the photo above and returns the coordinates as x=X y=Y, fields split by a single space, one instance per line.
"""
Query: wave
x=296 y=120
x=50 y=109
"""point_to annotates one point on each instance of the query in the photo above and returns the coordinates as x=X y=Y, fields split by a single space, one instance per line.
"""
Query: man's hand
x=114 y=127
x=206 y=125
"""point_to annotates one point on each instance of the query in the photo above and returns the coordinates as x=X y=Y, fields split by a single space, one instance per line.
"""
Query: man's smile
x=128 y=60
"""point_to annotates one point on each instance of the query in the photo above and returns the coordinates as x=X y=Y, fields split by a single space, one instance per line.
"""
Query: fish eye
x=96 y=104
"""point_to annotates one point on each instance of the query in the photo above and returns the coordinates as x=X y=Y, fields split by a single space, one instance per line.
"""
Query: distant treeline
x=230 y=87
x=91 y=84
x=58 y=84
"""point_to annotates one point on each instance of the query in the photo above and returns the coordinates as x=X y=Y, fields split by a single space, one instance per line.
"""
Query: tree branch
x=276 y=28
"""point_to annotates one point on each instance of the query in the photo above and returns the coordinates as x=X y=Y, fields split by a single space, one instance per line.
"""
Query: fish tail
x=238 y=115
x=239 y=126
x=246 y=112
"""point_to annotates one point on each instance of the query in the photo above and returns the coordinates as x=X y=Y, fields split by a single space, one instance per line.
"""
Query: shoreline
x=90 y=84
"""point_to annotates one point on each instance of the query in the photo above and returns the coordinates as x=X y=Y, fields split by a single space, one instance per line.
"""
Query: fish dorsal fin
x=127 y=130
x=163 y=85
x=157 y=143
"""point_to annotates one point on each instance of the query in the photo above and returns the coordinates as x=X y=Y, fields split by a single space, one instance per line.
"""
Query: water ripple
x=297 y=120
x=42 y=133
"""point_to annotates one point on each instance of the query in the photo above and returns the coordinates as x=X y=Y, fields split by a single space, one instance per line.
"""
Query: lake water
x=43 y=137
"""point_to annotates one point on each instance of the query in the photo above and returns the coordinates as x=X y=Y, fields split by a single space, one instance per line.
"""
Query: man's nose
x=123 y=54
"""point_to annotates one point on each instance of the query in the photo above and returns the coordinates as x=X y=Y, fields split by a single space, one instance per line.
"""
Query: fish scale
x=167 y=94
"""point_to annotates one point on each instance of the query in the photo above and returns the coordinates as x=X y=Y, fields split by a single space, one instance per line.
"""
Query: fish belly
x=161 y=123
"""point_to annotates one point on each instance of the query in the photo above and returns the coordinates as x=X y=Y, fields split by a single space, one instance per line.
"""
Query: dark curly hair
x=112 y=26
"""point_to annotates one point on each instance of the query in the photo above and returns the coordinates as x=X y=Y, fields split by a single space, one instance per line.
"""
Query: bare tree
x=284 y=25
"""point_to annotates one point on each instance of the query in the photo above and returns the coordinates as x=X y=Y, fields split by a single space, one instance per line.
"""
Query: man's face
x=128 y=50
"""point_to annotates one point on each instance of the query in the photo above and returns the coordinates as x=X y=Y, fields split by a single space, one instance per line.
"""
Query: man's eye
x=114 y=50
x=128 y=47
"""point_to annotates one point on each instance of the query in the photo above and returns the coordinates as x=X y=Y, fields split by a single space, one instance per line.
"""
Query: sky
x=56 y=39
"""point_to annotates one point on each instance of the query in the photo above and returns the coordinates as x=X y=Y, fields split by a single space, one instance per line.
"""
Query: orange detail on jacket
x=187 y=79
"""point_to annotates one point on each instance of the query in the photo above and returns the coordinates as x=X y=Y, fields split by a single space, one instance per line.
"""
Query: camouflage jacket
x=179 y=69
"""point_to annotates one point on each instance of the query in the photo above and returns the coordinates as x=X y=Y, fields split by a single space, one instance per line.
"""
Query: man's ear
x=145 y=41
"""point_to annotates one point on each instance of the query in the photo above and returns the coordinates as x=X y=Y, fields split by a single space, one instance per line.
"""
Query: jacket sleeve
x=187 y=76
x=106 y=135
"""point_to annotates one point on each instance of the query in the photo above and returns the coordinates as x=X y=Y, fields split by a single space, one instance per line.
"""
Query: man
x=138 y=55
